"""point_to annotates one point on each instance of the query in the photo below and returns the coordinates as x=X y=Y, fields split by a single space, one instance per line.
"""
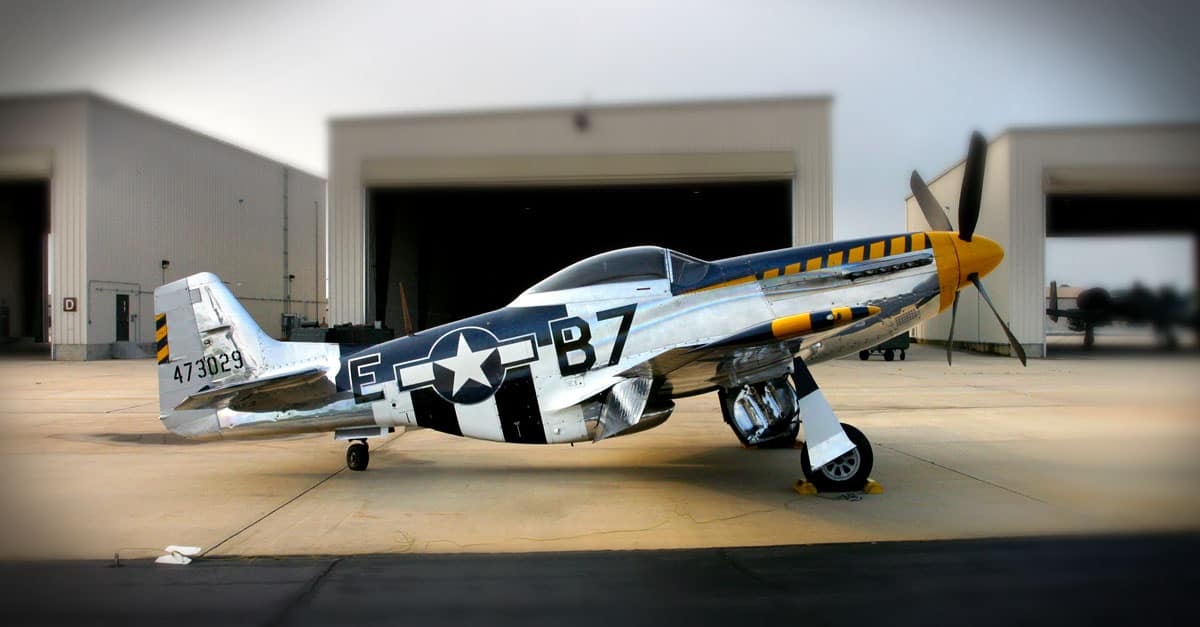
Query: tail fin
x=206 y=340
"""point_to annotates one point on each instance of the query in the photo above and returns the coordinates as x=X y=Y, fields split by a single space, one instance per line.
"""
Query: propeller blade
x=1012 y=340
x=950 y=338
x=972 y=187
x=929 y=205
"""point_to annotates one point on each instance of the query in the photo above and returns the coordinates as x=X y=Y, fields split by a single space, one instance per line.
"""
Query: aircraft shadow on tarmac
x=169 y=439
x=764 y=476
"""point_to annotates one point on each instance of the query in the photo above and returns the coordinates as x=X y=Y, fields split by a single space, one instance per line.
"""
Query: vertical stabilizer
x=206 y=339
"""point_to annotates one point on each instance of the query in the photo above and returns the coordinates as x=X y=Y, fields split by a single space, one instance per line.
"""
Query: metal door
x=122 y=317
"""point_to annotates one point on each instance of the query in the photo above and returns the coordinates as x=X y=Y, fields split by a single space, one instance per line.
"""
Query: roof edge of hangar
x=90 y=96
x=417 y=115
x=1051 y=129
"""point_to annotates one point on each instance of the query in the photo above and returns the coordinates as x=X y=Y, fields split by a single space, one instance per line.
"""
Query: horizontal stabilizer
x=294 y=390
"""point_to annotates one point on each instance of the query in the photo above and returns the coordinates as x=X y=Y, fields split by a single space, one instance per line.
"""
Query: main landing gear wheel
x=358 y=456
x=864 y=355
x=889 y=355
x=845 y=473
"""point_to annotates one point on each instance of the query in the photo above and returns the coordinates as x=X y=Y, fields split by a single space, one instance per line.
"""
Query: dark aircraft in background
x=1096 y=307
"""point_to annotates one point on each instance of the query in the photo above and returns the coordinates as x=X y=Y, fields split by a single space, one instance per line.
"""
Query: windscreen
x=629 y=264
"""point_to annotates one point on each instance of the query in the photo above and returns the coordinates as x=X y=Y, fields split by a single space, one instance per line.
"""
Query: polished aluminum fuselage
x=371 y=393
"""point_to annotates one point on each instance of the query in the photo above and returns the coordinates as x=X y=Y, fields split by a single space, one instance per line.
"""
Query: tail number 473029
x=209 y=366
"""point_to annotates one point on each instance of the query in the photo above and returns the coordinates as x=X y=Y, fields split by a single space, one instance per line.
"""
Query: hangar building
x=1053 y=182
x=447 y=215
x=100 y=203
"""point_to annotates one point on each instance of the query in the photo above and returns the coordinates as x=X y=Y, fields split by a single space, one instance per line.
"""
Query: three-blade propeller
x=968 y=218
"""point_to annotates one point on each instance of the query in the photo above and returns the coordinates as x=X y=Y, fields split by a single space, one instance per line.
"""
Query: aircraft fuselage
x=526 y=373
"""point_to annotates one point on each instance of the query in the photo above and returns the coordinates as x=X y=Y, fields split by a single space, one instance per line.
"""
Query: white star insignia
x=466 y=365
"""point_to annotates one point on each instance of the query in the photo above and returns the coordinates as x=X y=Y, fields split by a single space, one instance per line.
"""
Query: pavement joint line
x=111 y=411
x=765 y=582
x=305 y=595
x=283 y=505
x=965 y=474
x=870 y=408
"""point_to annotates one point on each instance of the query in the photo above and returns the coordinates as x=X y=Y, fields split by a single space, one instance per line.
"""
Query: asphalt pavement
x=1117 y=580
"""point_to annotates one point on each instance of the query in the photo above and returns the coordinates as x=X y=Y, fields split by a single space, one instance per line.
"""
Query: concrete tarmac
x=981 y=449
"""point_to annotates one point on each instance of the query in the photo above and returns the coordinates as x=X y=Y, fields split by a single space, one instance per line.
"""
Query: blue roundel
x=466 y=365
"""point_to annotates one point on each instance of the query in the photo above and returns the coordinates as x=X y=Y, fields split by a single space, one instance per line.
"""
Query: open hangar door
x=455 y=252
x=1129 y=214
x=24 y=230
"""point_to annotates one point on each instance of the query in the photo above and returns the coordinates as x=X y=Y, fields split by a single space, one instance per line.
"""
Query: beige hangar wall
x=128 y=190
x=45 y=137
x=160 y=191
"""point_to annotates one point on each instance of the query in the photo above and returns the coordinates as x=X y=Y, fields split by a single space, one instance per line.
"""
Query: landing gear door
x=823 y=434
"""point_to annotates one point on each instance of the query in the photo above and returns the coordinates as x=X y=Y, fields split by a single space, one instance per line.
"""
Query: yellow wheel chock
x=803 y=487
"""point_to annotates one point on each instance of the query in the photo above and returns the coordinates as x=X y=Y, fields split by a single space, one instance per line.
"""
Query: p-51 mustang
x=600 y=349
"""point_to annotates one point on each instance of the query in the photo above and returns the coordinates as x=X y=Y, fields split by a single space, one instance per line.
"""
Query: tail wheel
x=358 y=456
x=848 y=472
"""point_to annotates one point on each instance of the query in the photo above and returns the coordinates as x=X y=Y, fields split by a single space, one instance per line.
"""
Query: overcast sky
x=909 y=79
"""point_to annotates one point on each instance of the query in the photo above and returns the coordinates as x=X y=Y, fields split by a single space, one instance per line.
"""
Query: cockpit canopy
x=640 y=263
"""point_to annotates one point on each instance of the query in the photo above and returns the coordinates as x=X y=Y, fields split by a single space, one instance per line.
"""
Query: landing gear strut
x=358 y=455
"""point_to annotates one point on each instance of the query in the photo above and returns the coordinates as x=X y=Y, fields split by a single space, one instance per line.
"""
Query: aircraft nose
x=978 y=256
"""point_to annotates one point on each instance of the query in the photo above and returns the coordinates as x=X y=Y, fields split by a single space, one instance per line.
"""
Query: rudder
x=206 y=339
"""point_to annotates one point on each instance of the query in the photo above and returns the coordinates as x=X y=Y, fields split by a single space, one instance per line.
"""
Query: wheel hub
x=843 y=467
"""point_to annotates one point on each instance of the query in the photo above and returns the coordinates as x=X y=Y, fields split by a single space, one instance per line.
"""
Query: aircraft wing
x=762 y=348
x=292 y=391
x=748 y=354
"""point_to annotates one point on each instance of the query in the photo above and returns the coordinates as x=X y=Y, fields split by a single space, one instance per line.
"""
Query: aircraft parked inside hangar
x=600 y=349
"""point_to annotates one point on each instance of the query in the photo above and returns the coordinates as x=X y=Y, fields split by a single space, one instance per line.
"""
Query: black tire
x=358 y=456
x=864 y=355
x=845 y=473
x=902 y=355
x=889 y=355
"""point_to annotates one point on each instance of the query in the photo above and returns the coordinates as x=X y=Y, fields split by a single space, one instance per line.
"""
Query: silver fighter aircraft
x=600 y=349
